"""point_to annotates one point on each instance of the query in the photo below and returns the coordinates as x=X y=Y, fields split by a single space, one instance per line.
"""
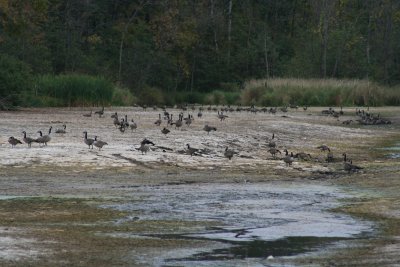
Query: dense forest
x=163 y=48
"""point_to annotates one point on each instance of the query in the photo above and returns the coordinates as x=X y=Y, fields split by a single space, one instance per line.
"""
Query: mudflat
x=66 y=203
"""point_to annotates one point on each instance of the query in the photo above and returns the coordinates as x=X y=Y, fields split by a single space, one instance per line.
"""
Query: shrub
x=151 y=96
x=123 y=97
x=15 y=78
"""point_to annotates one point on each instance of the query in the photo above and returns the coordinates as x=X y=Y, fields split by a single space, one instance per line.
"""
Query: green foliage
x=73 y=90
x=15 y=77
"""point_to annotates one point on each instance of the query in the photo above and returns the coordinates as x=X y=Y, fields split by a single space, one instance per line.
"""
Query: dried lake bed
x=67 y=204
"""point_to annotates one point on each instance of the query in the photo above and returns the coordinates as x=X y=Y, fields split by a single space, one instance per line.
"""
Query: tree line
x=197 y=46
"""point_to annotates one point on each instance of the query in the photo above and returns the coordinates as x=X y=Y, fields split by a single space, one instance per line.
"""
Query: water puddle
x=255 y=220
x=393 y=151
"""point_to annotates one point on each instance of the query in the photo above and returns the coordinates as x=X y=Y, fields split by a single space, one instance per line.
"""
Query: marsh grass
x=71 y=90
x=318 y=92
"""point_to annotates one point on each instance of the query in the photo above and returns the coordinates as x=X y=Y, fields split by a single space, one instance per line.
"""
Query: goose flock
x=185 y=119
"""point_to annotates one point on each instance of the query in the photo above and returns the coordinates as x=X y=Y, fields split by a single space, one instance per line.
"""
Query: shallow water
x=255 y=220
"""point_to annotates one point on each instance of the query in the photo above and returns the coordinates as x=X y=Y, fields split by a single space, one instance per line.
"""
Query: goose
x=28 y=140
x=271 y=142
x=221 y=116
x=229 y=153
x=44 y=139
x=165 y=131
x=147 y=142
x=115 y=115
x=88 y=141
x=179 y=122
x=14 y=141
x=88 y=114
x=191 y=150
x=200 y=114
x=126 y=123
x=100 y=112
x=208 y=129
x=274 y=151
x=188 y=120
x=116 y=121
x=323 y=148
x=329 y=156
x=347 y=122
x=62 y=131
x=133 y=125
x=158 y=122
x=99 y=144
x=288 y=159
x=349 y=166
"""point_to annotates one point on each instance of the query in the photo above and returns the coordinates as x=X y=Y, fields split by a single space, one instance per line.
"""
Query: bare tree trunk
x=213 y=24
x=368 y=46
x=229 y=30
x=266 y=51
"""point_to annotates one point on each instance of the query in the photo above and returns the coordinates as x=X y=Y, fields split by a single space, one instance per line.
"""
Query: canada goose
x=100 y=112
x=274 y=151
x=28 y=140
x=329 y=156
x=271 y=142
x=116 y=121
x=347 y=122
x=179 y=122
x=229 y=153
x=208 y=129
x=44 y=139
x=165 y=131
x=13 y=141
x=88 y=114
x=133 y=125
x=323 y=148
x=147 y=142
x=200 y=114
x=115 y=115
x=221 y=116
x=99 y=144
x=158 y=122
x=288 y=159
x=191 y=150
x=305 y=108
x=62 y=131
x=188 y=120
x=88 y=141
x=349 y=166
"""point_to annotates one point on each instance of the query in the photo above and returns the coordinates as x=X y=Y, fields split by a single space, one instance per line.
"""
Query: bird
x=229 y=153
x=147 y=142
x=188 y=120
x=179 y=122
x=349 y=166
x=99 y=144
x=158 y=122
x=14 y=141
x=44 y=139
x=133 y=125
x=288 y=159
x=324 y=148
x=62 y=131
x=100 y=112
x=88 y=114
x=28 y=140
x=191 y=150
x=329 y=156
x=271 y=142
x=347 y=122
x=208 y=129
x=165 y=131
x=221 y=116
x=274 y=151
x=88 y=141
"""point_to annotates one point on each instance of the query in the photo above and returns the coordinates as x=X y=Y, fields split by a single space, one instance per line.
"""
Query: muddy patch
x=249 y=220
